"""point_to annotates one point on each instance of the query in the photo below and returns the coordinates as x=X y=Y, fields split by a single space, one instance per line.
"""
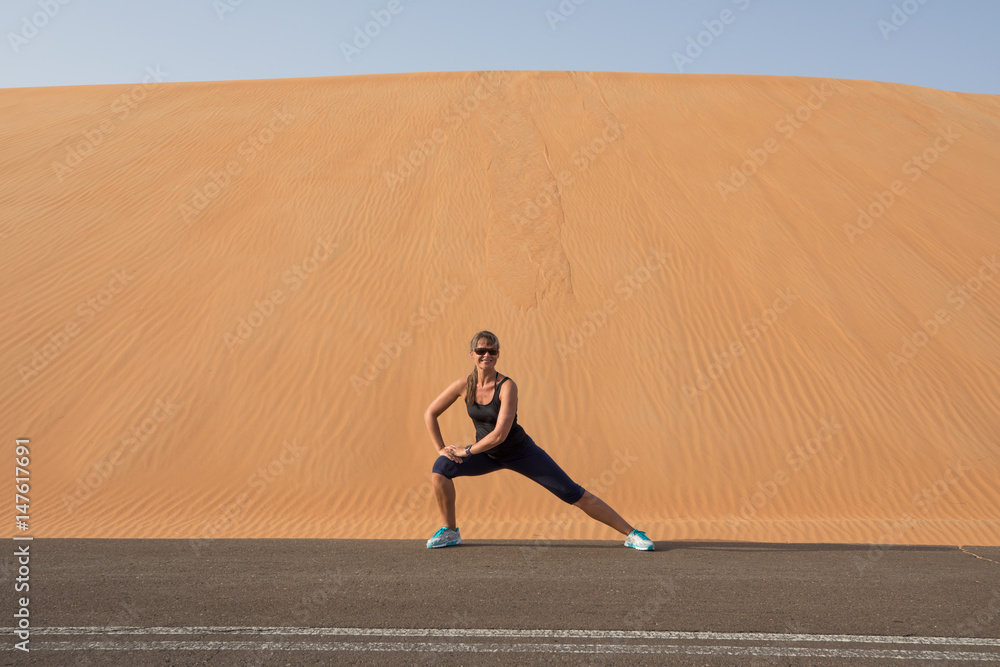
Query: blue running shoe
x=445 y=537
x=637 y=540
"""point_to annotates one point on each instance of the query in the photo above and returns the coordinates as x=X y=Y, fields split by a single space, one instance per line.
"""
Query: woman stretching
x=500 y=444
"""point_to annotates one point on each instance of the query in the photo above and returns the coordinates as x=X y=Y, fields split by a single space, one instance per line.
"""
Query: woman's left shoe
x=638 y=540
x=445 y=537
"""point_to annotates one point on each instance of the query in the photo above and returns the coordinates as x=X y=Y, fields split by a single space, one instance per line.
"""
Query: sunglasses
x=484 y=350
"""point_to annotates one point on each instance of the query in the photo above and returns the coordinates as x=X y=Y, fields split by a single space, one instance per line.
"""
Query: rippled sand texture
x=226 y=305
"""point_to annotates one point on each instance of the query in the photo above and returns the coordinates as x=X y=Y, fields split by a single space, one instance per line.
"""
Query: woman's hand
x=454 y=452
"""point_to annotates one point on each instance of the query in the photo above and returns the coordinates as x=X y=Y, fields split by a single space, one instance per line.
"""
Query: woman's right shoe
x=445 y=537
x=638 y=540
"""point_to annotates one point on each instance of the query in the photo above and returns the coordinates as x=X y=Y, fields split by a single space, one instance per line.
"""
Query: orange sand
x=196 y=353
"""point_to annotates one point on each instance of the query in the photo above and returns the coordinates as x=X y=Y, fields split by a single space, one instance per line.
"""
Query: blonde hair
x=470 y=387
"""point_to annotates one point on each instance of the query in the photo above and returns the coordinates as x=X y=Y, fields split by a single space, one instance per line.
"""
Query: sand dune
x=735 y=307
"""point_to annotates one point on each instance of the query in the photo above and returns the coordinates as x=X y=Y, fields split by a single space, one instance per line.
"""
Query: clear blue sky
x=947 y=44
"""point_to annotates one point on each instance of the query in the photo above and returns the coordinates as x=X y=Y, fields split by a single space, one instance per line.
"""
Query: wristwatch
x=467 y=452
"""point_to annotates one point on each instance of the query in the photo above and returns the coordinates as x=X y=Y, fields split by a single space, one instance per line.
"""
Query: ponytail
x=470 y=387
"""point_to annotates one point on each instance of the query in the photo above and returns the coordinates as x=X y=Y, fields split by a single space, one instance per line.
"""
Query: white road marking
x=743 y=644
x=410 y=647
x=514 y=633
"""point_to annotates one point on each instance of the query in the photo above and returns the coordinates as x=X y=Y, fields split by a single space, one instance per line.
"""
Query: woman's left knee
x=440 y=466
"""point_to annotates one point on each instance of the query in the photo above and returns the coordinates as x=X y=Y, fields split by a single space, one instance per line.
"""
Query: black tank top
x=485 y=419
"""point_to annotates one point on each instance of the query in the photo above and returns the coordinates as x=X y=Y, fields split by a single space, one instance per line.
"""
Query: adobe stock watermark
x=372 y=29
x=753 y=331
x=218 y=180
x=983 y=619
x=127 y=617
x=562 y=12
x=420 y=319
x=240 y=502
x=786 y=126
x=316 y=599
x=655 y=598
x=798 y=459
x=129 y=443
x=223 y=7
x=582 y=159
x=120 y=109
x=696 y=44
x=416 y=499
x=30 y=27
x=794 y=627
x=915 y=167
x=931 y=494
x=557 y=525
x=891 y=536
x=899 y=17
x=957 y=297
x=294 y=277
x=609 y=476
x=60 y=339
x=922 y=501
x=433 y=656
x=455 y=116
x=629 y=285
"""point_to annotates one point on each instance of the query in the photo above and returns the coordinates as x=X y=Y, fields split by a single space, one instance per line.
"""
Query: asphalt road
x=320 y=602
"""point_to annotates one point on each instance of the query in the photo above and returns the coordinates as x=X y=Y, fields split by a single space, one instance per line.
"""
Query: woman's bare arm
x=454 y=391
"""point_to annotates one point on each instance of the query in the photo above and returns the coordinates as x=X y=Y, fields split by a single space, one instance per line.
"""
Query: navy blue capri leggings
x=532 y=462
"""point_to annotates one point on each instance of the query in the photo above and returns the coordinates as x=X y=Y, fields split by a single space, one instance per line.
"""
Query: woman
x=501 y=443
